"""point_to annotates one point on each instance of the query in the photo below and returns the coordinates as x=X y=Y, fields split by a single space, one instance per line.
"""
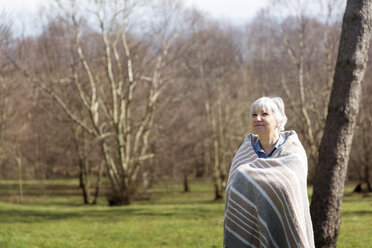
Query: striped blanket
x=266 y=199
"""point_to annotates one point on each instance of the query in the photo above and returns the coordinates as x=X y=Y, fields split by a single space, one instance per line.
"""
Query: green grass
x=356 y=220
x=169 y=219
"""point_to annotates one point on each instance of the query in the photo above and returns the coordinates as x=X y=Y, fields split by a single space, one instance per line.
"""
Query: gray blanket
x=266 y=199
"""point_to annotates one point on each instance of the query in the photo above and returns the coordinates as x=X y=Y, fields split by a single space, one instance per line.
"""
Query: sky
x=238 y=11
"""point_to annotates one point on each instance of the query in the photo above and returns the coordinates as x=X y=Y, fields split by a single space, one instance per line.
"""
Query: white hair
x=273 y=104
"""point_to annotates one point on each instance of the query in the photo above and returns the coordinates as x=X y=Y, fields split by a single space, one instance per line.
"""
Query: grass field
x=169 y=219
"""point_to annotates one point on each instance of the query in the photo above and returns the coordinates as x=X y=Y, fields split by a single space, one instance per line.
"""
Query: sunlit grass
x=356 y=221
x=169 y=219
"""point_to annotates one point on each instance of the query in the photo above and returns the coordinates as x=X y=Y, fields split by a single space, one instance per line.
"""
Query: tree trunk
x=341 y=118
x=214 y=117
x=120 y=198
x=366 y=178
x=20 y=180
x=185 y=183
x=84 y=183
x=84 y=180
x=98 y=184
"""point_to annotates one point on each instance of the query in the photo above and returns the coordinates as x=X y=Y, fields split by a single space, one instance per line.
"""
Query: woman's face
x=263 y=122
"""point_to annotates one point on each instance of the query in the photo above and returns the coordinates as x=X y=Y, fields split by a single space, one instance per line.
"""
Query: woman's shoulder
x=292 y=143
x=289 y=133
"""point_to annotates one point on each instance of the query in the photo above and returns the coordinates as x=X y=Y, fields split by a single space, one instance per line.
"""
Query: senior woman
x=266 y=197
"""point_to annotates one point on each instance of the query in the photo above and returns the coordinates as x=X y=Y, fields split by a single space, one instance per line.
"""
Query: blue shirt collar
x=261 y=153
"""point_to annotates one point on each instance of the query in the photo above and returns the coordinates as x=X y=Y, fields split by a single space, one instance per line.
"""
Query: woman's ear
x=278 y=123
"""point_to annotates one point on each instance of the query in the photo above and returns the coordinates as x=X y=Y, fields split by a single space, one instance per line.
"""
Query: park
x=121 y=122
x=171 y=218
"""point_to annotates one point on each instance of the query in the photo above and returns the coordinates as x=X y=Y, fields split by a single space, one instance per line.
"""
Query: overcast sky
x=238 y=11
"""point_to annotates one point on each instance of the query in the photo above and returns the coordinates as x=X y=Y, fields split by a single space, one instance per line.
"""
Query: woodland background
x=127 y=94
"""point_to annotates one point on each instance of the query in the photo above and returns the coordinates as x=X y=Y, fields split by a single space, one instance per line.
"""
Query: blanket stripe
x=266 y=199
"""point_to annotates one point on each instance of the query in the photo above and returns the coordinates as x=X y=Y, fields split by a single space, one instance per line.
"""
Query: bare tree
x=82 y=147
x=5 y=36
x=360 y=157
x=303 y=38
x=119 y=91
x=213 y=62
x=5 y=86
x=18 y=158
x=343 y=110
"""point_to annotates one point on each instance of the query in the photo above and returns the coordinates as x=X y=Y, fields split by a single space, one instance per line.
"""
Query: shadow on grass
x=30 y=216
x=110 y=215
x=356 y=197
x=179 y=210
x=46 y=189
x=59 y=202
x=357 y=213
x=183 y=202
